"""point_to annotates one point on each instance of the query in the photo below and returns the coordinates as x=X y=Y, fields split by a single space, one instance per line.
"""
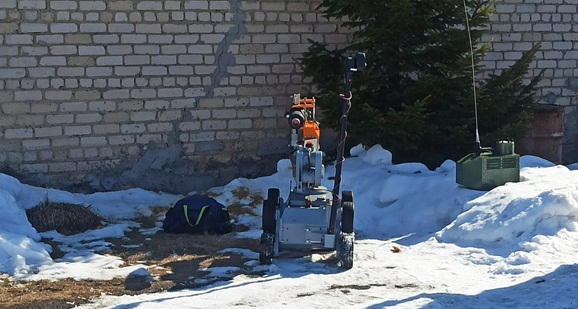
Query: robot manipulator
x=305 y=133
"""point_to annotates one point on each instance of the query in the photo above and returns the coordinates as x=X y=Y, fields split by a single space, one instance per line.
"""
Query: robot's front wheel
x=347 y=212
x=345 y=250
x=346 y=235
x=269 y=224
x=267 y=247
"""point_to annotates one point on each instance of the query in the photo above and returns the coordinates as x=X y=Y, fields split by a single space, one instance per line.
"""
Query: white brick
x=41 y=72
x=200 y=49
x=543 y=27
x=214 y=124
x=245 y=59
x=91 y=50
x=59 y=119
x=563 y=45
x=63 y=28
x=240 y=124
x=105 y=128
x=143 y=116
x=105 y=38
x=99 y=106
x=77 y=130
x=131 y=60
x=50 y=39
x=212 y=38
x=70 y=71
x=63 y=50
x=261 y=101
x=173 y=49
x=36 y=144
x=196 y=5
x=93 y=141
x=34 y=50
x=147 y=49
x=31 y=4
x=149 y=5
x=98 y=71
x=8 y=4
x=143 y=93
x=219 y=5
x=47 y=131
x=23 y=62
x=93 y=28
x=109 y=60
x=132 y=128
x=119 y=49
x=73 y=107
x=218 y=18
x=170 y=92
x=8 y=50
x=33 y=27
x=120 y=28
x=88 y=118
x=201 y=28
x=169 y=60
x=174 y=28
x=272 y=6
x=12 y=73
x=126 y=70
x=133 y=38
x=94 y=5
x=148 y=28
x=19 y=133
x=180 y=70
x=172 y=5
x=28 y=95
x=63 y=5
x=53 y=61
x=264 y=38
x=154 y=70
x=161 y=39
x=18 y=39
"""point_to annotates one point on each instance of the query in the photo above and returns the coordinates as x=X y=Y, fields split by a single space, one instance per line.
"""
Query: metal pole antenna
x=478 y=145
x=352 y=65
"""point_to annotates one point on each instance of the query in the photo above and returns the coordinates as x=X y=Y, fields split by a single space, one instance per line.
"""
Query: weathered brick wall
x=161 y=94
x=515 y=27
x=182 y=95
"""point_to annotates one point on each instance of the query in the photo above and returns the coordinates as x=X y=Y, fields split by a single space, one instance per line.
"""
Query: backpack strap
x=185 y=208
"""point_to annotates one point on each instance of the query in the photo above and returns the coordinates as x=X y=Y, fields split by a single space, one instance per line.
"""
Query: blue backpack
x=197 y=214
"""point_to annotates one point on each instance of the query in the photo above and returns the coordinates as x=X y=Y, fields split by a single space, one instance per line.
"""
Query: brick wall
x=515 y=27
x=181 y=95
x=167 y=95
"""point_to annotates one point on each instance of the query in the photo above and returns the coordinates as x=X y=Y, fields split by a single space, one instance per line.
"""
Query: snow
x=514 y=246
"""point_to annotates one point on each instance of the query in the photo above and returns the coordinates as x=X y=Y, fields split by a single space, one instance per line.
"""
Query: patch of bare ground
x=174 y=261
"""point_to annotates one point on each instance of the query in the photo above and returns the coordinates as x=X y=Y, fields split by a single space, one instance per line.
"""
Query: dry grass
x=67 y=219
x=174 y=261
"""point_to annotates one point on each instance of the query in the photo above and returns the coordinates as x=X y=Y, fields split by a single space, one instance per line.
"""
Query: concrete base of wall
x=158 y=169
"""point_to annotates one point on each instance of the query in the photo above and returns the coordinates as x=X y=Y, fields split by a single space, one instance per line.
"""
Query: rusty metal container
x=545 y=136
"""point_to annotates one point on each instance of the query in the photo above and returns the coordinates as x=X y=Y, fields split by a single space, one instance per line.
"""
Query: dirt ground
x=174 y=262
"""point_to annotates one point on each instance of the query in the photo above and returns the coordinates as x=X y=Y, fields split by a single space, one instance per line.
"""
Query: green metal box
x=489 y=169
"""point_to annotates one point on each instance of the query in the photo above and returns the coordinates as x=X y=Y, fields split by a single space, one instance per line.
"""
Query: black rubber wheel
x=347 y=196
x=266 y=248
x=269 y=222
x=345 y=250
x=347 y=211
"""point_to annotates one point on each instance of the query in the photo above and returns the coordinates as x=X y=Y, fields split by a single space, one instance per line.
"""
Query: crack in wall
x=223 y=57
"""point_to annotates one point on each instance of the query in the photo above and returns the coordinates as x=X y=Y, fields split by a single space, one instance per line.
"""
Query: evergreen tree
x=416 y=96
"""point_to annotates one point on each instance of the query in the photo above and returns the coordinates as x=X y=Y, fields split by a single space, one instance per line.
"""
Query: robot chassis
x=312 y=218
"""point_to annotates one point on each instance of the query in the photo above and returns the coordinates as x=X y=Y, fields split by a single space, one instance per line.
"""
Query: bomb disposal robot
x=312 y=218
